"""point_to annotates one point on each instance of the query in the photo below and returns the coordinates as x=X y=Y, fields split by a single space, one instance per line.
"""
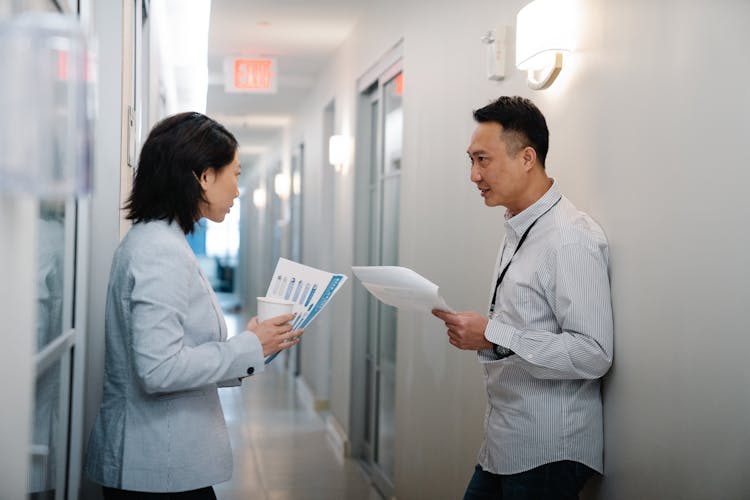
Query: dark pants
x=553 y=481
x=201 y=494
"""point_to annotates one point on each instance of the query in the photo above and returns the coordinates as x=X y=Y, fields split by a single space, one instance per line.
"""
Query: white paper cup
x=269 y=307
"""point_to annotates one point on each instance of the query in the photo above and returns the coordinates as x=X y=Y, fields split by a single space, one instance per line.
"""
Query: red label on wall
x=254 y=75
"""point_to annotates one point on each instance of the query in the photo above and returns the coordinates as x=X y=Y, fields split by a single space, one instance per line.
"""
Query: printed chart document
x=310 y=289
x=401 y=287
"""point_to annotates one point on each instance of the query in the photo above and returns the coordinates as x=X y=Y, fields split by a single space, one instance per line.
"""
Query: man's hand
x=465 y=329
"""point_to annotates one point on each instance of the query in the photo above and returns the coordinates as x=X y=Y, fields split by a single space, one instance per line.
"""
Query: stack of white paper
x=401 y=287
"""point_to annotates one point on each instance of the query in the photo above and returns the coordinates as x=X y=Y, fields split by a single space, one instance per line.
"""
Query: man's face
x=500 y=176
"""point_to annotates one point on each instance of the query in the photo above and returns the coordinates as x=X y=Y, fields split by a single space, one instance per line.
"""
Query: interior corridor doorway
x=378 y=183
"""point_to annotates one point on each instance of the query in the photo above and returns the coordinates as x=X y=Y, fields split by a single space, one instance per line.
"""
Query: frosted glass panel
x=50 y=269
x=44 y=125
x=47 y=436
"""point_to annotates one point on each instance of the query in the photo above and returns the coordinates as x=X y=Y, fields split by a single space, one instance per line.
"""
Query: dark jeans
x=201 y=494
x=553 y=481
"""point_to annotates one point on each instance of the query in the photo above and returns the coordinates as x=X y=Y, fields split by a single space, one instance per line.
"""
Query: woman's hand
x=275 y=333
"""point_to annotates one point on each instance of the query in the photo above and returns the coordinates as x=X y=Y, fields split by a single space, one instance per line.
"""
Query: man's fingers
x=444 y=315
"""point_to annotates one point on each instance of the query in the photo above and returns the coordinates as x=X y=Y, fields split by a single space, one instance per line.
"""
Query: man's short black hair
x=523 y=124
x=176 y=153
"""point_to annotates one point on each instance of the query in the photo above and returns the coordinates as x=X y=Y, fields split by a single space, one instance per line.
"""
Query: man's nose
x=474 y=176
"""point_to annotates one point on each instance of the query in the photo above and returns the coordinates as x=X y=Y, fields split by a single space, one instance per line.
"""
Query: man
x=548 y=337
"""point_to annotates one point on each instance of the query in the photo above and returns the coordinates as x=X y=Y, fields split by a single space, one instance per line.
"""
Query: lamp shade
x=259 y=198
x=338 y=150
x=281 y=185
x=543 y=28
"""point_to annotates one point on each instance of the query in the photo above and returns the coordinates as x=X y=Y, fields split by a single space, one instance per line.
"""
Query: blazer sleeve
x=162 y=280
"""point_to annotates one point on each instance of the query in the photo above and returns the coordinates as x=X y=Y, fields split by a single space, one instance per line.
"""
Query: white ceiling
x=301 y=34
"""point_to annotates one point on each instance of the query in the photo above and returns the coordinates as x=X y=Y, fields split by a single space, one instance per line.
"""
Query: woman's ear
x=207 y=177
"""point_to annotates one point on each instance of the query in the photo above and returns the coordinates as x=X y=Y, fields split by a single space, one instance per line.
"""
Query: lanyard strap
x=520 y=242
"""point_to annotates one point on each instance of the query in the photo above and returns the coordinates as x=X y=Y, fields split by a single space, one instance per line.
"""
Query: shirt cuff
x=498 y=333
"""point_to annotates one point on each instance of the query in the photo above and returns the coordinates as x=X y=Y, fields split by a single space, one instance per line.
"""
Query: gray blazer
x=160 y=427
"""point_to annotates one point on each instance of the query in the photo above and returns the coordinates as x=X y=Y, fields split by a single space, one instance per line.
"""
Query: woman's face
x=220 y=188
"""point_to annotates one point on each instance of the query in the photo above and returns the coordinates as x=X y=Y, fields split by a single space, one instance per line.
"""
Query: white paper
x=310 y=289
x=401 y=287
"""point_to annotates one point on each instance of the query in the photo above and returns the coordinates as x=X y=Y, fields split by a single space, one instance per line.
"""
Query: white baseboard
x=306 y=396
x=337 y=437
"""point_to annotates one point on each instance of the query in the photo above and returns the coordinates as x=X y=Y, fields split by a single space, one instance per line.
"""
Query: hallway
x=352 y=121
x=280 y=448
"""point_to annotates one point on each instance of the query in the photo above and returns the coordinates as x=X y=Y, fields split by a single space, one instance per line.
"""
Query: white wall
x=18 y=225
x=255 y=267
x=647 y=132
x=106 y=199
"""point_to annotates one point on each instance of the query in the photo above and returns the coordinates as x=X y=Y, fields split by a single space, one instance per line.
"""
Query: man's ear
x=528 y=155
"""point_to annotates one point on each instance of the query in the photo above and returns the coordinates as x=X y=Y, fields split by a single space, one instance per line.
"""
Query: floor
x=280 y=447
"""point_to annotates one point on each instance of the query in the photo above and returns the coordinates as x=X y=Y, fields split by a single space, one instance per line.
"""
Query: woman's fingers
x=280 y=320
x=252 y=324
x=290 y=338
x=293 y=334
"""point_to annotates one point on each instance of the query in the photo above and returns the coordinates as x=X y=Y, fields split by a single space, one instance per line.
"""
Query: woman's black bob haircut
x=176 y=153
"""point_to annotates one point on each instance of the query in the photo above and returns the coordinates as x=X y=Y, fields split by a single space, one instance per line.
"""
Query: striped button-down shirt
x=554 y=310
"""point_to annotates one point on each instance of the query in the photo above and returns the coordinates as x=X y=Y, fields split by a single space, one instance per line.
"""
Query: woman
x=160 y=432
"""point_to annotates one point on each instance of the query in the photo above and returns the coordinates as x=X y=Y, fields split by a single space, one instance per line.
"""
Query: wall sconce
x=281 y=185
x=338 y=151
x=544 y=30
x=259 y=198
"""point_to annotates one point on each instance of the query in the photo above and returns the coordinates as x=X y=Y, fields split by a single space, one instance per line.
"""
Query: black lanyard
x=505 y=269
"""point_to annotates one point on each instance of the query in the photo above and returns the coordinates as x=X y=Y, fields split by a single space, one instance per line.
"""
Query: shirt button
x=250 y=370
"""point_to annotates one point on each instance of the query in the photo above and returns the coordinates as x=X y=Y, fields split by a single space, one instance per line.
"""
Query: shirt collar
x=522 y=220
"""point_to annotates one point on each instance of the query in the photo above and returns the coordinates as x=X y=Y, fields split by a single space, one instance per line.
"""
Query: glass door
x=55 y=337
x=377 y=245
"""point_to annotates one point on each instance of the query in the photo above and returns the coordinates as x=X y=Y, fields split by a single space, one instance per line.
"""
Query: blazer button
x=250 y=370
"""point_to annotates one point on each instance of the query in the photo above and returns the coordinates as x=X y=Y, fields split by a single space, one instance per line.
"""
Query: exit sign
x=248 y=74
